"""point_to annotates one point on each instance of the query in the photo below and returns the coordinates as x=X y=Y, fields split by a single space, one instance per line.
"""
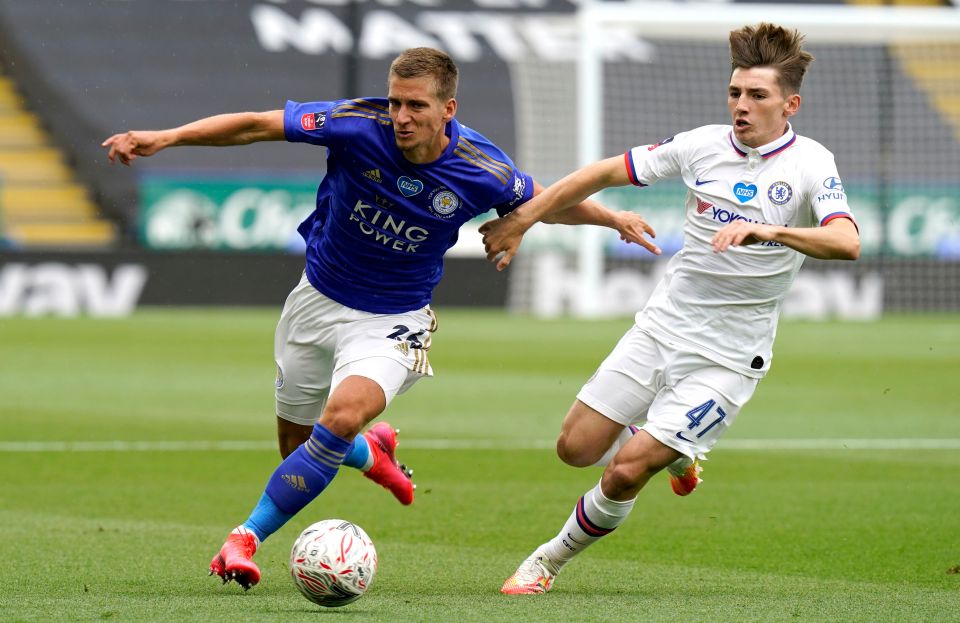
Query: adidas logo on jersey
x=296 y=482
x=373 y=174
x=404 y=348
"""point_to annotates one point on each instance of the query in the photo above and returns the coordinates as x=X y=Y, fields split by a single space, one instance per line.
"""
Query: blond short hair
x=418 y=62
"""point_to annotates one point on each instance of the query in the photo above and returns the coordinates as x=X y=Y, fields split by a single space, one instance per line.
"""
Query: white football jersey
x=726 y=305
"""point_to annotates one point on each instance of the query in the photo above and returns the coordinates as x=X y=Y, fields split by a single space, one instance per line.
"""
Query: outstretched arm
x=217 y=131
x=837 y=240
x=629 y=225
x=504 y=235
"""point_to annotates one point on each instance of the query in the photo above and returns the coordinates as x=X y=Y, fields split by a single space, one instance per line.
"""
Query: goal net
x=883 y=96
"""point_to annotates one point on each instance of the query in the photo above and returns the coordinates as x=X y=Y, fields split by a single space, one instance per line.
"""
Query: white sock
x=625 y=435
x=595 y=516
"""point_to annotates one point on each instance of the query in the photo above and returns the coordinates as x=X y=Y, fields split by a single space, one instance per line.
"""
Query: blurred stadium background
x=129 y=445
x=217 y=226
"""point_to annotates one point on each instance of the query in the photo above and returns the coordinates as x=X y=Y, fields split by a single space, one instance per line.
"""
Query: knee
x=623 y=480
x=343 y=418
x=573 y=453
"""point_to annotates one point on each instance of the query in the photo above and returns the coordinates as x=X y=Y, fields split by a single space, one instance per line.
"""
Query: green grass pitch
x=823 y=531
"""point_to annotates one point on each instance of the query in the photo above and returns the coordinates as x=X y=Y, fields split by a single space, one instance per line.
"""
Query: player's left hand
x=632 y=228
x=740 y=233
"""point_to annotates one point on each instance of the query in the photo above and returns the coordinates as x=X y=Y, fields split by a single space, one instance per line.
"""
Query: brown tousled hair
x=769 y=45
x=418 y=62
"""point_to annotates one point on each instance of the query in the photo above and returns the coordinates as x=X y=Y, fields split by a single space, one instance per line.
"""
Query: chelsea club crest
x=779 y=193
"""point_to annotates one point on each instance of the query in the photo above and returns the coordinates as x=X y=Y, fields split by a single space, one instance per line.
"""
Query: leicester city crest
x=779 y=193
x=444 y=201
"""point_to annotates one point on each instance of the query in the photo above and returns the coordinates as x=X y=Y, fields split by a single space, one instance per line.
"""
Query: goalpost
x=883 y=95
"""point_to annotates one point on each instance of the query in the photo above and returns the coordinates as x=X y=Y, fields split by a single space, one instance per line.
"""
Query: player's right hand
x=501 y=239
x=126 y=147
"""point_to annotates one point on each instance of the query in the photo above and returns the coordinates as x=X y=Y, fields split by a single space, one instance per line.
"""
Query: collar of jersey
x=768 y=150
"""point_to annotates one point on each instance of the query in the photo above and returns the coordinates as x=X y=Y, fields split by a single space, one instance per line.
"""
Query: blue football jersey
x=382 y=224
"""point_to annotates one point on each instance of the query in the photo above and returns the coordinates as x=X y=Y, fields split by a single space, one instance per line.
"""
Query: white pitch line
x=471 y=444
x=839 y=444
x=134 y=446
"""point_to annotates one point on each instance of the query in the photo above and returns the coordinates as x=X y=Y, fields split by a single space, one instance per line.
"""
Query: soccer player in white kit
x=760 y=199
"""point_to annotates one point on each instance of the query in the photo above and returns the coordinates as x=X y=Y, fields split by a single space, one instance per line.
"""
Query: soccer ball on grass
x=333 y=562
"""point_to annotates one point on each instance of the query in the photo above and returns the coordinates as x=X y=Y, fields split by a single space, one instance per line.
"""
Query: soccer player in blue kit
x=402 y=176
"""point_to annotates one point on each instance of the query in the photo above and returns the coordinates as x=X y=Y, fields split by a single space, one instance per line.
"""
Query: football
x=333 y=562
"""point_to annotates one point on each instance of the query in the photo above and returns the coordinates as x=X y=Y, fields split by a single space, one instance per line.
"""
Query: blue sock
x=359 y=453
x=307 y=471
x=266 y=518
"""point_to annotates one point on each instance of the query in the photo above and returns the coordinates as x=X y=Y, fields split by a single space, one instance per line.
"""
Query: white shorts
x=681 y=398
x=320 y=342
